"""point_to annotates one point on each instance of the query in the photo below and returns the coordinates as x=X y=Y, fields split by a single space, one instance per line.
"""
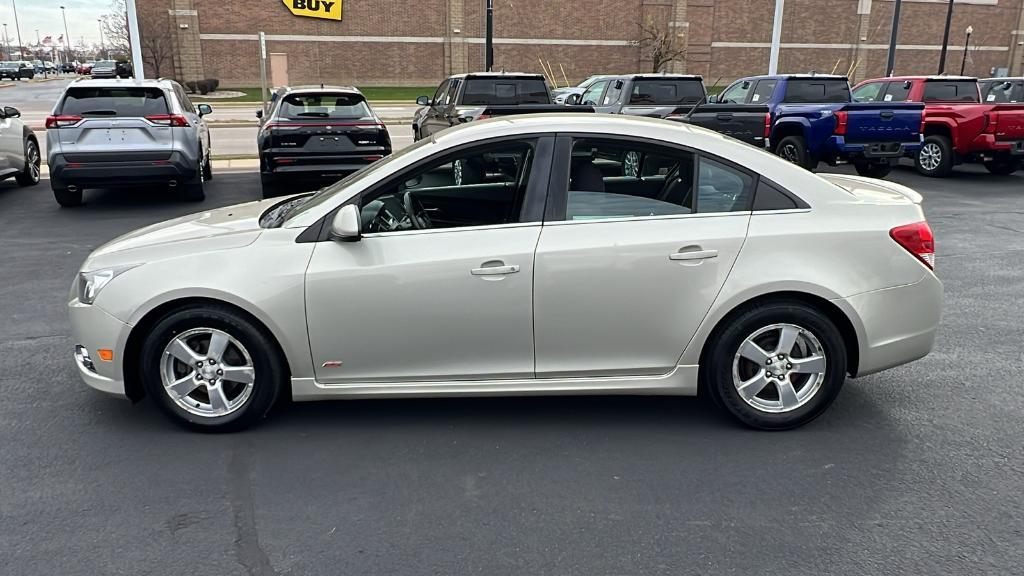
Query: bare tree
x=115 y=28
x=157 y=46
x=659 y=45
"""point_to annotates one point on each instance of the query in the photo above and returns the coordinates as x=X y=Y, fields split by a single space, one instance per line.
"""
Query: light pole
x=67 y=37
x=489 y=39
x=773 y=53
x=7 y=44
x=102 y=47
x=17 y=30
x=892 y=38
x=945 y=37
x=963 y=62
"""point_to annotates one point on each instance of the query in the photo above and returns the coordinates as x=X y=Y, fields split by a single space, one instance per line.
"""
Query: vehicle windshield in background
x=666 y=92
x=105 y=64
x=304 y=106
x=816 y=91
x=505 y=91
x=114 y=101
x=8 y=64
x=951 y=91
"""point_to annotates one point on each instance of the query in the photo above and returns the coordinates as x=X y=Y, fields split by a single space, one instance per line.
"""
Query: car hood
x=218 y=229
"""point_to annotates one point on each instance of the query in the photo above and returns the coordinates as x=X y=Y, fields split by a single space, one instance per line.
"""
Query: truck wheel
x=794 y=149
x=873 y=169
x=935 y=158
x=1002 y=166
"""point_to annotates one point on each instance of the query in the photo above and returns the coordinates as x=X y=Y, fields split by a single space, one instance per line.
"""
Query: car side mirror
x=345 y=226
x=11 y=112
x=907 y=84
x=572 y=99
x=259 y=113
x=423 y=101
x=204 y=109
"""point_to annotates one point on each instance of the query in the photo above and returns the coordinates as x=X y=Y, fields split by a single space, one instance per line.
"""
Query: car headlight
x=90 y=283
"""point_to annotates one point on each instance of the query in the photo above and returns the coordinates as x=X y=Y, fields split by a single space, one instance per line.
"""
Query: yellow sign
x=328 y=9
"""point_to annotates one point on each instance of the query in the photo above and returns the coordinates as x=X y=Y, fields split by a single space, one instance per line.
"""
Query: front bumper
x=92 y=329
x=103 y=174
x=899 y=323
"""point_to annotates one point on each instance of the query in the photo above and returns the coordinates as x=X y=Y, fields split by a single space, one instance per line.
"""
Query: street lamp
x=967 y=43
x=7 y=44
x=102 y=47
x=67 y=37
x=17 y=30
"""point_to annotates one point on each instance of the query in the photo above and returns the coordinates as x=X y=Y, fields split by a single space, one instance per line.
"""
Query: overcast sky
x=44 y=15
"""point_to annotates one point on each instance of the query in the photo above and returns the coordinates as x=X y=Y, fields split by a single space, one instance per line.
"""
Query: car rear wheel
x=935 y=158
x=29 y=175
x=194 y=191
x=1003 y=166
x=68 y=198
x=794 y=149
x=776 y=366
x=211 y=369
x=873 y=169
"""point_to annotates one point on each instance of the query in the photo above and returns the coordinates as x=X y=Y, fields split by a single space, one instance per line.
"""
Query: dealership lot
x=905 y=463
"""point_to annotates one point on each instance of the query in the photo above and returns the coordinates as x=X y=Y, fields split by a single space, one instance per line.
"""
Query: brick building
x=396 y=42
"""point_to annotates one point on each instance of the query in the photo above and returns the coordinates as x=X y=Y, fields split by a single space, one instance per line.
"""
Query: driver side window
x=737 y=93
x=481 y=186
x=593 y=94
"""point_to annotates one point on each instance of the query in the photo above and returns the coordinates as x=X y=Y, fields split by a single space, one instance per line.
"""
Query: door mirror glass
x=345 y=225
x=259 y=113
x=10 y=112
x=572 y=99
x=204 y=109
x=423 y=101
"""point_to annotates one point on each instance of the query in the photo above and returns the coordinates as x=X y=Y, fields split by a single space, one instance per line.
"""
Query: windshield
x=108 y=64
x=328 y=192
x=667 y=92
x=8 y=64
x=326 y=105
x=114 y=101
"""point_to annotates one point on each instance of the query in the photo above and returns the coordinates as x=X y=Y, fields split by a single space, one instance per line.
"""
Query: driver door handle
x=494 y=270
x=695 y=255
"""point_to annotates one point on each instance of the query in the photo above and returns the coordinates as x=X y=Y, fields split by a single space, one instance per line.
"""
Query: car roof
x=120 y=82
x=796 y=77
x=497 y=75
x=320 y=88
x=928 y=78
x=661 y=75
x=1002 y=79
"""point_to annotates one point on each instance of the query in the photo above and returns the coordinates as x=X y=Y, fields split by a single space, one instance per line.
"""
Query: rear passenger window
x=114 y=101
x=722 y=188
x=769 y=197
x=897 y=92
x=815 y=91
x=943 y=91
x=764 y=91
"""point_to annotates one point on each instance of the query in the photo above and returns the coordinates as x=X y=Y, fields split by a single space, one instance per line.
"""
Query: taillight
x=767 y=125
x=482 y=117
x=62 y=121
x=991 y=121
x=917 y=239
x=176 y=120
x=841 y=118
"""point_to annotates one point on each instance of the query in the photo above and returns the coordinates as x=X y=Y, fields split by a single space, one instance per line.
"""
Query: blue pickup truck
x=814 y=119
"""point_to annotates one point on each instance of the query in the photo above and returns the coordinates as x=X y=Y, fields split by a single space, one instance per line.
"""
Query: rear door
x=116 y=124
x=624 y=277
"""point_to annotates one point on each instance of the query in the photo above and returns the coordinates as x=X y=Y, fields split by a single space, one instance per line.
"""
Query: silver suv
x=106 y=133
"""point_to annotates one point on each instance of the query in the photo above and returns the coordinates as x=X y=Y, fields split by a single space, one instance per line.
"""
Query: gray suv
x=106 y=133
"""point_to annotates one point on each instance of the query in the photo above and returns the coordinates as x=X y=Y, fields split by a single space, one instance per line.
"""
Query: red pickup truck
x=957 y=126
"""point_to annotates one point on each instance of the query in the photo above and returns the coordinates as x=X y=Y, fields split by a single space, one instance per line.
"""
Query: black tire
x=873 y=169
x=723 y=346
x=67 y=198
x=29 y=175
x=794 y=149
x=415 y=134
x=270 y=186
x=208 y=168
x=1003 y=166
x=269 y=367
x=935 y=158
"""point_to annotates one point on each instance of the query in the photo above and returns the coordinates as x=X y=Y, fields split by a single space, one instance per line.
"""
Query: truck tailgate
x=1009 y=121
x=883 y=121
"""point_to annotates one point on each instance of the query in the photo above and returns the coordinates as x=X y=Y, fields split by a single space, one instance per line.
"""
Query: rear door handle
x=494 y=270
x=696 y=255
x=725 y=117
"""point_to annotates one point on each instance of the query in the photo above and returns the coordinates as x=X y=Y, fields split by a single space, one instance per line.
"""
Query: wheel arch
x=787 y=128
x=838 y=316
x=133 y=386
x=941 y=127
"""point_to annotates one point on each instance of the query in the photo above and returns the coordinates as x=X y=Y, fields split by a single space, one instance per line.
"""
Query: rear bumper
x=317 y=167
x=899 y=323
x=177 y=167
x=871 y=150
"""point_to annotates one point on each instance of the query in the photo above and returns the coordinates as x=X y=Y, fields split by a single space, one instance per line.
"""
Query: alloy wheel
x=779 y=368
x=789 y=153
x=33 y=160
x=457 y=172
x=207 y=372
x=930 y=156
x=631 y=164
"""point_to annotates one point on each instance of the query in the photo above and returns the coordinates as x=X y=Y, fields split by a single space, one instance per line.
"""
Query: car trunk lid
x=874 y=191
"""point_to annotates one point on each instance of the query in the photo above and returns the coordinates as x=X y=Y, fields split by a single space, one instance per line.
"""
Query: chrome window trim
x=451 y=229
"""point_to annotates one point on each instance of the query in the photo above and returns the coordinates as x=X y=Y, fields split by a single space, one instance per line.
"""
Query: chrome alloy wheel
x=32 y=159
x=790 y=154
x=207 y=372
x=779 y=368
x=457 y=172
x=930 y=156
x=631 y=164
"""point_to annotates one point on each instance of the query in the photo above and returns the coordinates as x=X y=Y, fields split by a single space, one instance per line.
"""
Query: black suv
x=16 y=70
x=317 y=134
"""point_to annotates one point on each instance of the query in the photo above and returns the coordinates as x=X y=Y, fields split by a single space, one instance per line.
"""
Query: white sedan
x=514 y=256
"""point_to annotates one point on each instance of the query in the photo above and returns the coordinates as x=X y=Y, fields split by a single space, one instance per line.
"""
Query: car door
x=434 y=296
x=431 y=119
x=623 y=280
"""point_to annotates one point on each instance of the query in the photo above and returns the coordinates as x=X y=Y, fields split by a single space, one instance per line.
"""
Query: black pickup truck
x=466 y=97
x=678 y=97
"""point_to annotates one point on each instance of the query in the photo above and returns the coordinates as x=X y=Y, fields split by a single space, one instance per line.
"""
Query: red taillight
x=61 y=121
x=991 y=121
x=372 y=158
x=767 y=125
x=841 y=118
x=922 y=124
x=917 y=239
x=482 y=117
x=176 y=120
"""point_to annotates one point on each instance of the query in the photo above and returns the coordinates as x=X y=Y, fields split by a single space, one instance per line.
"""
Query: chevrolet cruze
x=543 y=268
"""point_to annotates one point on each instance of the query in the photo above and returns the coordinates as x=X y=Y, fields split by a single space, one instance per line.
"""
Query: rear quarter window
x=944 y=91
x=666 y=92
x=505 y=91
x=114 y=101
x=813 y=91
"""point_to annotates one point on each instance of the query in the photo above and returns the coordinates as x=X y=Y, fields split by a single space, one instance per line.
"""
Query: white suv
x=105 y=133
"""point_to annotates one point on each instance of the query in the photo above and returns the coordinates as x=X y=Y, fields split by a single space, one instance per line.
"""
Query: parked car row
x=17 y=70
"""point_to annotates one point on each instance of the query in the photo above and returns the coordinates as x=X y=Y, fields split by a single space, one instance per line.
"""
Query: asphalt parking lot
x=914 y=471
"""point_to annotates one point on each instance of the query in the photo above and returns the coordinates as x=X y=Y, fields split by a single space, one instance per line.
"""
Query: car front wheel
x=211 y=369
x=794 y=149
x=776 y=366
x=29 y=175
